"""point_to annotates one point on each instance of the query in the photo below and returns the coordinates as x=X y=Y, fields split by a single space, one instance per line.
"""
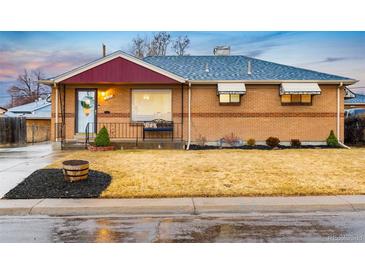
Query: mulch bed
x=260 y=147
x=49 y=183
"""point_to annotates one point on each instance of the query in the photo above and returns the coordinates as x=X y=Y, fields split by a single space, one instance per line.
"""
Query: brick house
x=355 y=100
x=194 y=98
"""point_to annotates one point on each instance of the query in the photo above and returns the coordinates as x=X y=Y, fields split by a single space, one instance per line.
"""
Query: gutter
x=47 y=82
x=345 y=82
x=189 y=117
x=56 y=109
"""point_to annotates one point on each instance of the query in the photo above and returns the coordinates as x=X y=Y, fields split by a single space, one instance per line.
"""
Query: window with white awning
x=300 y=88
x=298 y=93
x=231 y=88
x=230 y=93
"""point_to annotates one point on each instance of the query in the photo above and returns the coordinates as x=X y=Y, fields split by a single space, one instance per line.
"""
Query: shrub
x=272 y=141
x=332 y=140
x=251 y=142
x=102 y=138
x=231 y=139
x=295 y=143
x=354 y=130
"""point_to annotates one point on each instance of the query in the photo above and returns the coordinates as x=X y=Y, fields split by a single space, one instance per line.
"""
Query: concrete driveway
x=19 y=162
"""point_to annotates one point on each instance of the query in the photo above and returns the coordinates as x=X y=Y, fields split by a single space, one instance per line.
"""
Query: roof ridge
x=258 y=59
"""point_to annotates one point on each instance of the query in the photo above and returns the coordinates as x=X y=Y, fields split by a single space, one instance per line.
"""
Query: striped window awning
x=231 y=88
x=300 y=88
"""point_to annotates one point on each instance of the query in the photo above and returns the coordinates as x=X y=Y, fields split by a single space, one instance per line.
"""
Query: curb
x=79 y=207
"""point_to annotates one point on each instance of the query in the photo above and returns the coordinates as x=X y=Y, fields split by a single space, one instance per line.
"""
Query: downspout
x=56 y=110
x=189 y=117
x=182 y=112
x=338 y=121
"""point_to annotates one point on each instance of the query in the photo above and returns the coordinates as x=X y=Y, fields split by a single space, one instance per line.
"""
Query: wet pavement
x=17 y=163
x=309 y=227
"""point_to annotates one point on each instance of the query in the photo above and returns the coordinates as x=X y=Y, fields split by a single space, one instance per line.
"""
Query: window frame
x=230 y=103
x=148 y=89
x=291 y=103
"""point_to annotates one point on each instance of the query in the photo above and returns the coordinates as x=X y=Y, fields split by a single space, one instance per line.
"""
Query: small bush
x=332 y=140
x=272 y=141
x=295 y=143
x=251 y=142
x=231 y=139
x=102 y=138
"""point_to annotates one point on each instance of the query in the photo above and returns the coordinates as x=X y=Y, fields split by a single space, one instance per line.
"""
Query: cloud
x=262 y=43
x=267 y=37
x=330 y=60
x=258 y=50
x=51 y=63
x=255 y=53
x=333 y=59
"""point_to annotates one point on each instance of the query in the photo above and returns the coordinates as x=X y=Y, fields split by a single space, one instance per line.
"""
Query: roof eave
x=344 y=81
x=46 y=82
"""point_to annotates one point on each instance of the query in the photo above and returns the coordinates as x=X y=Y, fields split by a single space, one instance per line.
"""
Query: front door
x=86 y=102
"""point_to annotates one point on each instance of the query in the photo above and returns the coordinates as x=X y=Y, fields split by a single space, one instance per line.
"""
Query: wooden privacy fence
x=36 y=133
x=13 y=130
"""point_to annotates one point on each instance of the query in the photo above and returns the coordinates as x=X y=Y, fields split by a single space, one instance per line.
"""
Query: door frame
x=77 y=90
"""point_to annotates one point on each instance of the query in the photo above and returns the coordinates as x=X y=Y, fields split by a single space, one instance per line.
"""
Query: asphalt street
x=273 y=227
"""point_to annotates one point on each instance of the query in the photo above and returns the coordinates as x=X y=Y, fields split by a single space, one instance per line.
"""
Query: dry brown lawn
x=176 y=173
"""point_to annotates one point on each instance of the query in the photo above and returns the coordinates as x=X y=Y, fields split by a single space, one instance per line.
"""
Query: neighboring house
x=205 y=97
x=38 y=119
x=2 y=111
x=356 y=101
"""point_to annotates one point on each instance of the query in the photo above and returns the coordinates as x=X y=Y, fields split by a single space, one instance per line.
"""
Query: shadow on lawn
x=49 y=183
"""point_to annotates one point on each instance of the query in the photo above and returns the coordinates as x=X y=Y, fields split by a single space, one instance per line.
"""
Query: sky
x=340 y=53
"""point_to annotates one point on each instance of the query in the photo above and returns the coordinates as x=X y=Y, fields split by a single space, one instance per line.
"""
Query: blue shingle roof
x=36 y=110
x=358 y=99
x=234 y=68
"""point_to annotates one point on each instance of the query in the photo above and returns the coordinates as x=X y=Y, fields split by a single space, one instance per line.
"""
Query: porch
x=125 y=135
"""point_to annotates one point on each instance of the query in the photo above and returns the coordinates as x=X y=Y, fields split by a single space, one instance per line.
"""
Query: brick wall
x=114 y=110
x=259 y=116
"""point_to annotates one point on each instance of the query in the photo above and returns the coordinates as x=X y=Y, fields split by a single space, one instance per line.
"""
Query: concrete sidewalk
x=17 y=163
x=78 y=207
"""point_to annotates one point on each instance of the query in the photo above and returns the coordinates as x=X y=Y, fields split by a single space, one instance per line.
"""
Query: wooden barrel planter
x=75 y=170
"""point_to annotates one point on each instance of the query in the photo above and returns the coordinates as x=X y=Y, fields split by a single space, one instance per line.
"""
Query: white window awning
x=231 y=88
x=300 y=88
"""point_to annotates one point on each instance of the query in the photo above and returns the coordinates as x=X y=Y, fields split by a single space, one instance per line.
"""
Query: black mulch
x=49 y=183
x=260 y=147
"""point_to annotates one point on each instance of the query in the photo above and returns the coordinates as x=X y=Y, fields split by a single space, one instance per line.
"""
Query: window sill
x=230 y=104
x=296 y=104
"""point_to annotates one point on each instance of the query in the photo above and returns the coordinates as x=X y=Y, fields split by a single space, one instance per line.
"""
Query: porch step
x=73 y=146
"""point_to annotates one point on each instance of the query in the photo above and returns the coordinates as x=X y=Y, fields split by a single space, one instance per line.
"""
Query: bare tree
x=159 y=43
x=139 y=47
x=181 y=44
x=27 y=88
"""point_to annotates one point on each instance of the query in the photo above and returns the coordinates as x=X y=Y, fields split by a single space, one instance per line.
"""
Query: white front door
x=85 y=110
